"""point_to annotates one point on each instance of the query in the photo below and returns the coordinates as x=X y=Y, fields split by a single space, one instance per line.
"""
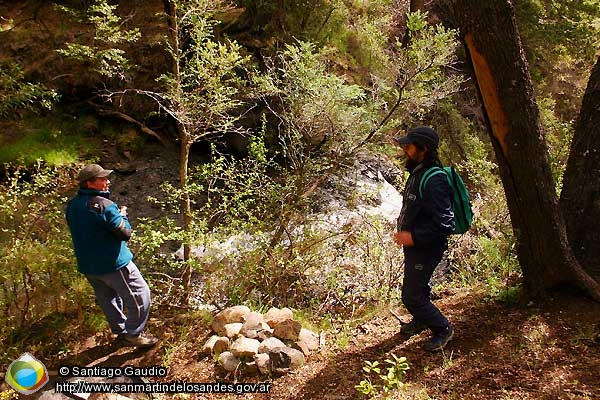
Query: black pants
x=419 y=264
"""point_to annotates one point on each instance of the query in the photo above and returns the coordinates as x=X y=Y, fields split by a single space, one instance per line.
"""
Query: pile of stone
x=249 y=342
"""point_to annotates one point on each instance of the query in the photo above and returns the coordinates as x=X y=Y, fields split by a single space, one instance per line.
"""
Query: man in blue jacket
x=100 y=231
x=423 y=228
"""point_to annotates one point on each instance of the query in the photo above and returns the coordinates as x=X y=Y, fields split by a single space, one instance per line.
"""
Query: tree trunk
x=417 y=5
x=185 y=145
x=502 y=76
x=580 y=197
x=186 y=208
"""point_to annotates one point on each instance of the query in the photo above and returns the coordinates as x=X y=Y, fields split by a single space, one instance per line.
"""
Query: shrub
x=37 y=264
x=18 y=95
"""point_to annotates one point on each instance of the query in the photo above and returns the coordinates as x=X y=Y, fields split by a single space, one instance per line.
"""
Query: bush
x=37 y=264
x=18 y=95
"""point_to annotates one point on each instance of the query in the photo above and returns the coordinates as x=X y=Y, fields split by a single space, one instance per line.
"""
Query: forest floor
x=543 y=350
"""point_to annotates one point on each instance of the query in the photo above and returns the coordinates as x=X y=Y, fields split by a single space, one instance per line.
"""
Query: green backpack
x=463 y=215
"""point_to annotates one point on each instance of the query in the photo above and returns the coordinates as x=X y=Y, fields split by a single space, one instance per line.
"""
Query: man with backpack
x=424 y=224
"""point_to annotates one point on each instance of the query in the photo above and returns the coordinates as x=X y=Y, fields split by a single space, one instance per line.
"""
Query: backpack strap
x=427 y=175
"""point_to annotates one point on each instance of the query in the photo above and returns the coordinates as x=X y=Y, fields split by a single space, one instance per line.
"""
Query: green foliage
x=56 y=139
x=260 y=248
x=486 y=255
x=416 y=21
x=360 y=32
x=561 y=39
x=318 y=109
x=391 y=378
x=201 y=90
x=570 y=28
x=559 y=135
x=37 y=266
x=492 y=262
x=310 y=268
x=323 y=121
x=240 y=194
x=228 y=196
x=18 y=95
x=9 y=394
x=50 y=145
x=417 y=77
x=102 y=51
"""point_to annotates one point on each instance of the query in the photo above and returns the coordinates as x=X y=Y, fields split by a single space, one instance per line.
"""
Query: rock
x=270 y=344
x=252 y=322
x=275 y=315
x=228 y=361
x=228 y=316
x=251 y=368
x=232 y=330
x=265 y=334
x=285 y=359
x=263 y=363
x=49 y=395
x=302 y=346
x=311 y=339
x=288 y=330
x=215 y=345
x=251 y=334
x=244 y=347
x=208 y=346
x=322 y=339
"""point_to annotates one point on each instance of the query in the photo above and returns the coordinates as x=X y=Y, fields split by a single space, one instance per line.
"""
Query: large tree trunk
x=490 y=34
x=580 y=197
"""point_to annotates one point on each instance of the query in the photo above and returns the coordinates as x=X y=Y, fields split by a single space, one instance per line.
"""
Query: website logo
x=27 y=374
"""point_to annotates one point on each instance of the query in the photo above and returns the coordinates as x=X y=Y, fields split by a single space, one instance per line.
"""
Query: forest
x=253 y=145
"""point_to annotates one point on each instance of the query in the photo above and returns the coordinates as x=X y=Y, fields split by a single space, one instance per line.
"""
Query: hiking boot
x=413 y=328
x=120 y=338
x=440 y=340
x=141 y=340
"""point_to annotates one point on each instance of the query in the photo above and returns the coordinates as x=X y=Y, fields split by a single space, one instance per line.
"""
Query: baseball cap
x=423 y=135
x=92 y=171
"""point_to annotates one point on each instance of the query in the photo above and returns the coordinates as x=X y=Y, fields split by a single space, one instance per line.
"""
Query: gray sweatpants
x=124 y=297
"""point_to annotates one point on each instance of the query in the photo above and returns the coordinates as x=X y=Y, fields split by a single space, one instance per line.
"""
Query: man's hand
x=123 y=211
x=403 y=238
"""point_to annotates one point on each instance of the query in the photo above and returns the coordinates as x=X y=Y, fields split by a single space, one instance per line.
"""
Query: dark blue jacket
x=99 y=232
x=429 y=219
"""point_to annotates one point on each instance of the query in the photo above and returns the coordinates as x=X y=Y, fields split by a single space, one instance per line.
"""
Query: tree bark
x=580 y=196
x=417 y=5
x=186 y=276
x=185 y=144
x=502 y=76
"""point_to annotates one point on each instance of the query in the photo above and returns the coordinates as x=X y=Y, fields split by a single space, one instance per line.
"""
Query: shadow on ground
x=539 y=351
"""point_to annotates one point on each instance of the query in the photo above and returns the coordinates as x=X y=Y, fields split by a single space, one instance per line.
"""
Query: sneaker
x=141 y=340
x=414 y=327
x=440 y=340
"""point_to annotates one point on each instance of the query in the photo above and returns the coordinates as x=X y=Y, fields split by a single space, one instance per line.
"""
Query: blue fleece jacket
x=429 y=219
x=99 y=232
